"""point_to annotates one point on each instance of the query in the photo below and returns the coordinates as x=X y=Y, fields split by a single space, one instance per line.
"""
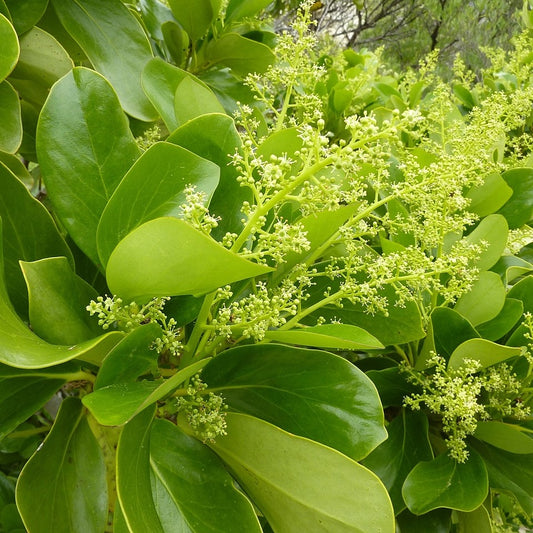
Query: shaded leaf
x=104 y=29
x=191 y=488
x=68 y=474
x=443 y=482
x=195 y=18
x=10 y=119
x=302 y=391
x=238 y=9
x=436 y=521
x=168 y=257
x=26 y=14
x=85 y=147
x=503 y=323
x=518 y=210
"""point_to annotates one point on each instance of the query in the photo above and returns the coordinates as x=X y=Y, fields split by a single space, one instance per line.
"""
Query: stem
x=198 y=330
x=28 y=432
x=283 y=113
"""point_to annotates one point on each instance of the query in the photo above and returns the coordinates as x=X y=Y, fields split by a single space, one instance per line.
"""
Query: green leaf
x=509 y=473
x=392 y=385
x=192 y=99
x=476 y=521
x=240 y=54
x=176 y=41
x=192 y=489
x=488 y=289
x=58 y=298
x=493 y=231
x=105 y=29
x=153 y=187
x=300 y=485
x=133 y=475
x=17 y=404
x=116 y=404
x=26 y=14
x=302 y=391
x=29 y=233
x=160 y=81
x=195 y=18
x=503 y=323
x=523 y=291
x=334 y=336
x=239 y=9
x=131 y=358
x=443 y=482
x=215 y=138
x=42 y=62
x=68 y=473
x=490 y=196
x=168 y=257
x=486 y=352
x=437 y=521
x=10 y=119
x=407 y=445
x=508 y=437
x=85 y=147
x=518 y=210
x=450 y=329
x=10 y=47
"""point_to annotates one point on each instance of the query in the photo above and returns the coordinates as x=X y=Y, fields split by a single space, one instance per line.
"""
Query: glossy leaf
x=450 y=330
x=214 y=137
x=407 y=445
x=492 y=231
x=26 y=14
x=160 y=81
x=443 y=482
x=85 y=147
x=436 y=521
x=503 y=323
x=10 y=47
x=116 y=404
x=240 y=54
x=153 y=187
x=523 y=291
x=302 y=391
x=518 y=210
x=509 y=473
x=392 y=385
x=104 y=29
x=301 y=485
x=192 y=99
x=238 y=9
x=68 y=474
x=191 y=488
x=10 y=119
x=41 y=63
x=488 y=289
x=133 y=475
x=486 y=352
x=17 y=404
x=58 y=298
x=195 y=18
x=476 y=521
x=508 y=437
x=334 y=336
x=29 y=233
x=131 y=358
x=490 y=196
x=168 y=257
x=176 y=41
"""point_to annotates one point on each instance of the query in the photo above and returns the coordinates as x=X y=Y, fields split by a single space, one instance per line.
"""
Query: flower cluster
x=195 y=210
x=463 y=396
x=204 y=411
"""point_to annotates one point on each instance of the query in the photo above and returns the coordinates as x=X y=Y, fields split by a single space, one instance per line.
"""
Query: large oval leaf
x=301 y=485
x=105 y=29
x=168 y=257
x=153 y=187
x=68 y=473
x=10 y=47
x=443 y=482
x=85 y=147
x=29 y=234
x=492 y=231
x=509 y=437
x=195 y=18
x=486 y=352
x=302 y=391
x=192 y=99
x=186 y=476
x=26 y=14
x=518 y=210
x=238 y=9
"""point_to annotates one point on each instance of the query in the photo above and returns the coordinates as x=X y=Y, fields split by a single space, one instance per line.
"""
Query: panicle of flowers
x=518 y=238
x=465 y=395
x=148 y=138
x=195 y=212
x=205 y=411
